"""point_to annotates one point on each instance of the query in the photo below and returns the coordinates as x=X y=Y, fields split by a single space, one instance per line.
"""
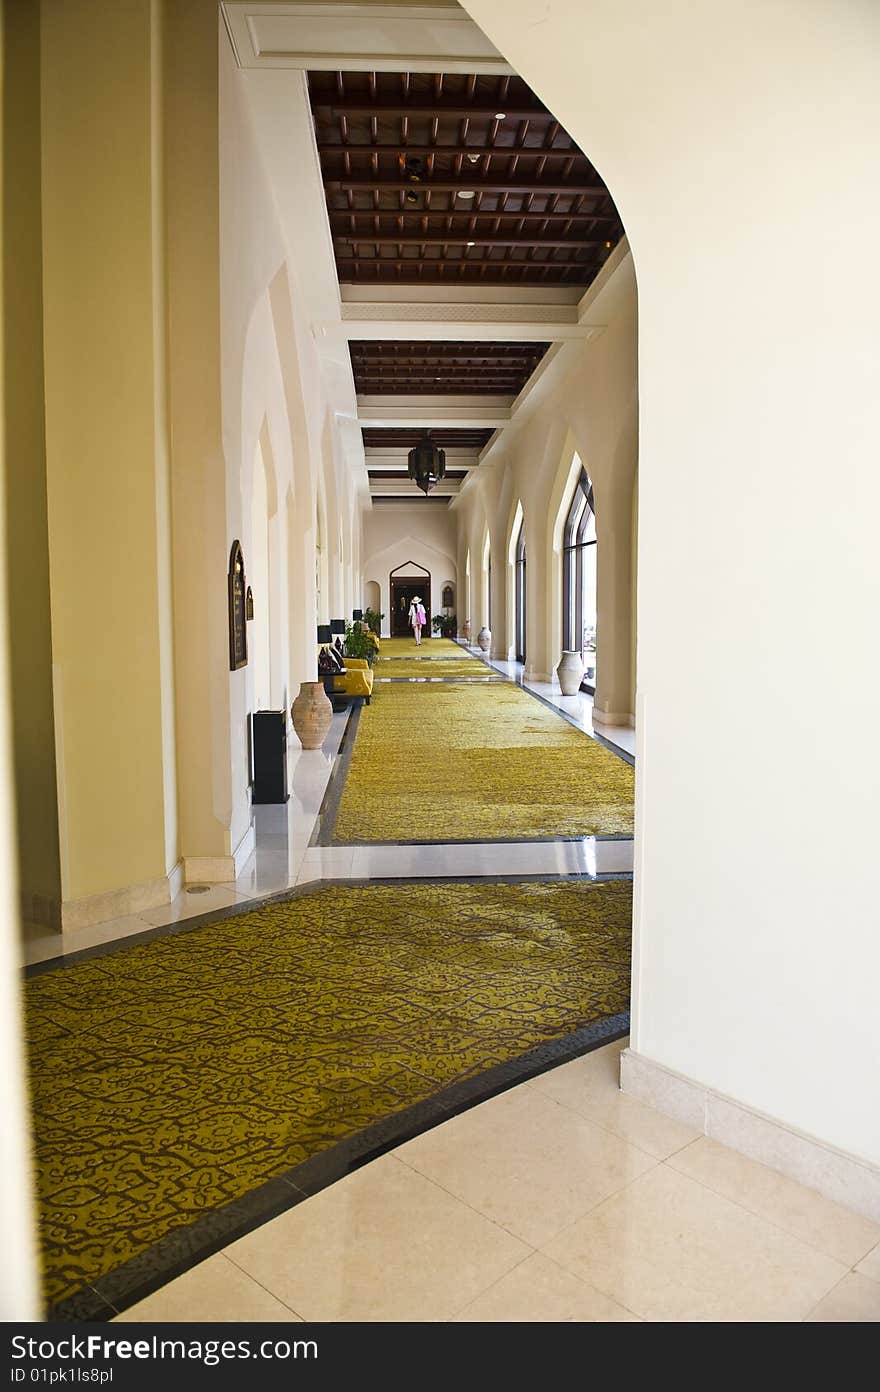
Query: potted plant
x=373 y=619
x=360 y=641
x=445 y=624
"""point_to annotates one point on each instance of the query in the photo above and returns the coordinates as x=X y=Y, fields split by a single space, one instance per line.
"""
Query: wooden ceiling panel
x=426 y=368
x=450 y=179
x=384 y=438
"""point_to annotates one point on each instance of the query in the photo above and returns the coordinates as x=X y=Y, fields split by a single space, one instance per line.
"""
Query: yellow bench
x=356 y=683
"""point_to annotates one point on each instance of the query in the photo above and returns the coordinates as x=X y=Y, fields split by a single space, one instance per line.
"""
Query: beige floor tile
x=670 y=1249
x=540 y=1291
x=382 y=1244
x=801 y=1211
x=590 y=1087
x=856 y=1300
x=217 y=1290
x=189 y=905
x=870 y=1265
x=525 y=1162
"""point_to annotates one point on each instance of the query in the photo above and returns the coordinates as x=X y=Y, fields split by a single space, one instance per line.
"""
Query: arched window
x=520 y=592
x=579 y=579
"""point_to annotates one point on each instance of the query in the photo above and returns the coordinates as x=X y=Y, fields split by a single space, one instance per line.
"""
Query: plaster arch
x=566 y=475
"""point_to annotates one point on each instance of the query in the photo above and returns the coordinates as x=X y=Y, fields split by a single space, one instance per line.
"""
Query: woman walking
x=417 y=618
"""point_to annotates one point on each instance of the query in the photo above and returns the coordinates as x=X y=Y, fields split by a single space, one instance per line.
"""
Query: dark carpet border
x=179 y=1251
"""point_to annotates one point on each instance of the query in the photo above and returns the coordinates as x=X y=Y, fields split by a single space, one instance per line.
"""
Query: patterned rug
x=431 y=648
x=475 y=761
x=173 y=1076
x=437 y=668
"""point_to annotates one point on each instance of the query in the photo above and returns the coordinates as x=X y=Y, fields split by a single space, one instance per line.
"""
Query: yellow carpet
x=171 y=1077
x=437 y=668
x=430 y=648
x=477 y=761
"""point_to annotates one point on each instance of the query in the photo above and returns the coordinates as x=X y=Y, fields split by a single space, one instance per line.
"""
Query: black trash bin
x=270 y=756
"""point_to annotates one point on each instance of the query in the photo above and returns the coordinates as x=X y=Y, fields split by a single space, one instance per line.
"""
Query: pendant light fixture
x=426 y=464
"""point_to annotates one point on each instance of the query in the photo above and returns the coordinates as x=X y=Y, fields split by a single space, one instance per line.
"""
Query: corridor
x=408 y=909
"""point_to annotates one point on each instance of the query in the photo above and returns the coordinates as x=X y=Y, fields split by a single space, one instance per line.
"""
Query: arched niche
x=405 y=582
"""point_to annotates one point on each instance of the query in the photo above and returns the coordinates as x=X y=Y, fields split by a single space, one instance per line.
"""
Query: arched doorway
x=373 y=596
x=519 y=591
x=406 y=582
x=579 y=572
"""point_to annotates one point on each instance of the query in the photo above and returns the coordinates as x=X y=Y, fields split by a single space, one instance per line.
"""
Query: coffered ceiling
x=450 y=368
x=448 y=439
x=452 y=178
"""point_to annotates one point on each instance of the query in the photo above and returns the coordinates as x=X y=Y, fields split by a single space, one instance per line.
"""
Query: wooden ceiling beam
x=327 y=147
x=350 y=215
x=465 y=238
x=427 y=106
x=440 y=184
x=450 y=362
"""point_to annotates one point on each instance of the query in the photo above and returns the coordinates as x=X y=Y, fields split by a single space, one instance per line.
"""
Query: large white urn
x=570 y=672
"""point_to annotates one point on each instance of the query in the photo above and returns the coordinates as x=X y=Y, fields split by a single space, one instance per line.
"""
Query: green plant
x=445 y=624
x=359 y=643
x=373 y=620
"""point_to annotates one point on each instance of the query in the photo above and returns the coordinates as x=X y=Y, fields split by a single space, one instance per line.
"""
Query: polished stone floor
x=481 y=1220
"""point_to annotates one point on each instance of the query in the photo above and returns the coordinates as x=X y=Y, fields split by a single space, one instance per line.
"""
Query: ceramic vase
x=467 y=630
x=484 y=638
x=311 y=714
x=570 y=673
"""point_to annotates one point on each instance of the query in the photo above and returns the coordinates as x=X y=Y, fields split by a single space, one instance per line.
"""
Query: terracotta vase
x=484 y=638
x=467 y=630
x=570 y=672
x=311 y=714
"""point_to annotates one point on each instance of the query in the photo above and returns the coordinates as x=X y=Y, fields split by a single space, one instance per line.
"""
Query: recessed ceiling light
x=466 y=193
x=472 y=159
x=500 y=115
x=471 y=244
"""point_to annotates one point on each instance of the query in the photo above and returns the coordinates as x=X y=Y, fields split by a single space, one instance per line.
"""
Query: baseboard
x=843 y=1178
x=618 y=718
x=221 y=869
x=118 y=903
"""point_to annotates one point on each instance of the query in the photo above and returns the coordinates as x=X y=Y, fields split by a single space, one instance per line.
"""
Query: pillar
x=106 y=459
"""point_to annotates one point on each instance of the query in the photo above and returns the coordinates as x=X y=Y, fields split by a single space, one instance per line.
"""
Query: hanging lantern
x=427 y=464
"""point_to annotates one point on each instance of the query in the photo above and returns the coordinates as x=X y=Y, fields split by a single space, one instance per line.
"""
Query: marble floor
x=477 y=1220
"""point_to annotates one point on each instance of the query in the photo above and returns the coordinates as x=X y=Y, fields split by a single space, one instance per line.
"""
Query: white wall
x=739 y=142
x=396 y=533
